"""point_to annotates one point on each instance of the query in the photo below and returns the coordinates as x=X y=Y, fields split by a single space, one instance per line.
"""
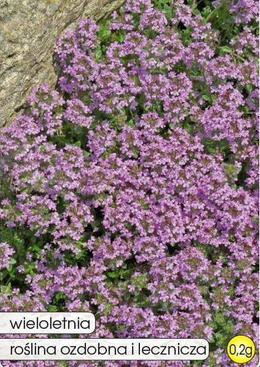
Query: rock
x=28 y=32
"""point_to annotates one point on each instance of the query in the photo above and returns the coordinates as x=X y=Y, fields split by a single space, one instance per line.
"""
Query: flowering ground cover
x=130 y=190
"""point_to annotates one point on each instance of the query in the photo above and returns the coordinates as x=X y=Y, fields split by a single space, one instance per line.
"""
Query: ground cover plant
x=131 y=189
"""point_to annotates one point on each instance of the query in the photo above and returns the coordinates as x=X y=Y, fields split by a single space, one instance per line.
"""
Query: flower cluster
x=5 y=255
x=131 y=190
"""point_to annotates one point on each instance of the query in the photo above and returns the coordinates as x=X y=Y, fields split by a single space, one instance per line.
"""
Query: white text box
x=104 y=349
x=47 y=322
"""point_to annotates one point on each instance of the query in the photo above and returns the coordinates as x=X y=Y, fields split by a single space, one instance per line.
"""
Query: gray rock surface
x=28 y=32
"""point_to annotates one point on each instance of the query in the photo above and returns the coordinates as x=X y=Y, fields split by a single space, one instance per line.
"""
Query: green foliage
x=223 y=329
x=165 y=6
x=119 y=274
x=57 y=303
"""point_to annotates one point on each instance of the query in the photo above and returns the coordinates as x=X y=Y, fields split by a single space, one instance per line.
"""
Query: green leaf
x=225 y=49
x=12 y=261
x=52 y=308
x=119 y=37
x=98 y=53
x=112 y=274
x=196 y=12
x=206 y=97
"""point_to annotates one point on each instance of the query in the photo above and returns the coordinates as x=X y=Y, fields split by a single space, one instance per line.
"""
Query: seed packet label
x=47 y=322
x=104 y=349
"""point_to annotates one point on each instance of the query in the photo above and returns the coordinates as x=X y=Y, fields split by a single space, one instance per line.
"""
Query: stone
x=28 y=32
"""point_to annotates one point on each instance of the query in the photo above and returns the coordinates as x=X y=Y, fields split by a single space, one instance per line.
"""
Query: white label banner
x=46 y=323
x=104 y=349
